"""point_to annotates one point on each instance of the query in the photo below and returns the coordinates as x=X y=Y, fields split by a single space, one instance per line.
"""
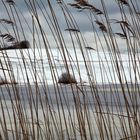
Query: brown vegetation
x=36 y=110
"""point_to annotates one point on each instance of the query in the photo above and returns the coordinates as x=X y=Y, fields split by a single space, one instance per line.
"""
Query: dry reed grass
x=30 y=112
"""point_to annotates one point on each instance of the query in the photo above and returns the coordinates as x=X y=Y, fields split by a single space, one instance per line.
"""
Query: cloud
x=48 y=23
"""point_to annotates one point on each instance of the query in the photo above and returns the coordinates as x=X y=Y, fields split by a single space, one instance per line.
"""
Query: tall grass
x=31 y=108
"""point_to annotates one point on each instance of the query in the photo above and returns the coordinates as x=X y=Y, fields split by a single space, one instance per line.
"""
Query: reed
x=69 y=108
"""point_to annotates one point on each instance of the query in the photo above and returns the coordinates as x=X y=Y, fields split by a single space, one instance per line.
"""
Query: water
x=114 y=117
x=36 y=67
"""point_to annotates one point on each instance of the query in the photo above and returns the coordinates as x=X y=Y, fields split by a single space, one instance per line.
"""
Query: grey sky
x=82 y=18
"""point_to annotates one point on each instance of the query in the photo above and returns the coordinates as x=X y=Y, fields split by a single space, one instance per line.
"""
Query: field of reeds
x=69 y=109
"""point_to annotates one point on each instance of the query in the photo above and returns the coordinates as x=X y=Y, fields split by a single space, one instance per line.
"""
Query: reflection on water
x=68 y=113
x=66 y=122
x=98 y=107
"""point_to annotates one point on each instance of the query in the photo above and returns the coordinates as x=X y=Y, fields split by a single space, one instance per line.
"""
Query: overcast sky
x=82 y=19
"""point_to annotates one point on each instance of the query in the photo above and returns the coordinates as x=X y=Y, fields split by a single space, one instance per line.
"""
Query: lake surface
x=64 y=108
x=98 y=105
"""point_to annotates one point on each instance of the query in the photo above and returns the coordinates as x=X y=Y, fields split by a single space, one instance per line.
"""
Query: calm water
x=66 y=113
x=37 y=68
